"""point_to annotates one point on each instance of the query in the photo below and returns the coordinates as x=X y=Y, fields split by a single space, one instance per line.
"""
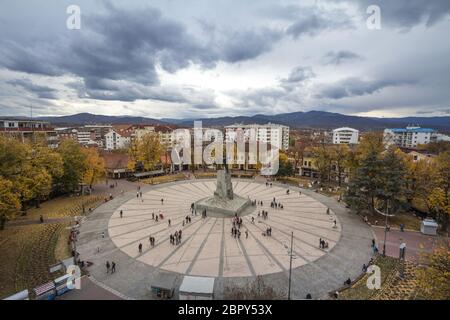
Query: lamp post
x=385 y=227
x=290 y=265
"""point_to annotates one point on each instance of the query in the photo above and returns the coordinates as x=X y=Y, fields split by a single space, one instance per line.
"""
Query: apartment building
x=270 y=133
x=409 y=137
x=29 y=130
x=116 y=139
x=345 y=135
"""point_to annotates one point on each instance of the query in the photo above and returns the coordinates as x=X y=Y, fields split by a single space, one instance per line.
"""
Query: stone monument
x=224 y=202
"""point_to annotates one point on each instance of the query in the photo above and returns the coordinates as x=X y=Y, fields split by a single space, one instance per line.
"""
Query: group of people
x=268 y=232
x=264 y=214
x=323 y=244
x=186 y=220
x=268 y=184
x=110 y=267
x=175 y=238
x=235 y=229
x=276 y=205
x=158 y=216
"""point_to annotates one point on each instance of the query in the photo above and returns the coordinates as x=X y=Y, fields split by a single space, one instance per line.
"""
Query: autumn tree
x=339 y=155
x=434 y=278
x=74 y=166
x=9 y=202
x=322 y=160
x=145 y=153
x=439 y=197
x=94 y=166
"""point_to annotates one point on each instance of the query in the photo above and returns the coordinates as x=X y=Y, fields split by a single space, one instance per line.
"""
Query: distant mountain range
x=310 y=119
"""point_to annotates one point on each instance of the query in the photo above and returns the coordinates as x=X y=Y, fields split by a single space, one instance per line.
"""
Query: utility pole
x=290 y=266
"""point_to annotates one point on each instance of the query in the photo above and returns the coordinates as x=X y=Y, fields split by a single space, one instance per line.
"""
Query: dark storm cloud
x=339 y=57
x=351 y=87
x=405 y=14
x=41 y=91
x=128 y=45
x=249 y=44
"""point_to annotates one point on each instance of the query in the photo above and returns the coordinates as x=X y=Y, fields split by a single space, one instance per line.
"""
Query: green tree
x=392 y=178
x=285 y=168
x=366 y=183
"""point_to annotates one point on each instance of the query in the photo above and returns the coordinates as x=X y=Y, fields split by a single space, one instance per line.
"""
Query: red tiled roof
x=115 y=160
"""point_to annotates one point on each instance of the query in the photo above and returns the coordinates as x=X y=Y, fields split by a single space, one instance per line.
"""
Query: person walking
x=107 y=267
x=246 y=234
x=113 y=267
x=169 y=222
x=121 y=214
x=140 y=247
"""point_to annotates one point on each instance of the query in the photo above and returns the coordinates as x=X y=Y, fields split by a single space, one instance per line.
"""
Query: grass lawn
x=27 y=251
x=410 y=221
x=62 y=207
x=359 y=290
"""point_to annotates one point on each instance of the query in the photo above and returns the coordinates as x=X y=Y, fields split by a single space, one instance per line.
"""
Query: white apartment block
x=345 y=135
x=410 y=136
x=274 y=134
x=115 y=140
x=84 y=137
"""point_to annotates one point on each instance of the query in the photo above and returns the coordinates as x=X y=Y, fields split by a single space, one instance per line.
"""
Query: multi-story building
x=345 y=135
x=100 y=131
x=29 y=130
x=116 y=139
x=409 y=137
x=86 y=136
x=67 y=133
x=270 y=133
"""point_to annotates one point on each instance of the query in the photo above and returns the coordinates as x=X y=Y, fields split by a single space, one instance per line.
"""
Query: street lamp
x=385 y=224
x=291 y=256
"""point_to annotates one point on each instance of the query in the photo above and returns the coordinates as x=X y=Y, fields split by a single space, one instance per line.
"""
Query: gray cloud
x=43 y=92
x=127 y=45
x=405 y=14
x=342 y=56
x=313 y=20
x=351 y=87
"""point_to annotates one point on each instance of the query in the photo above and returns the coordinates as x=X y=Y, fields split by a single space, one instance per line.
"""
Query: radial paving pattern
x=207 y=246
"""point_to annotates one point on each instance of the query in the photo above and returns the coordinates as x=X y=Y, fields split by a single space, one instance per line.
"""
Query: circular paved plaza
x=208 y=247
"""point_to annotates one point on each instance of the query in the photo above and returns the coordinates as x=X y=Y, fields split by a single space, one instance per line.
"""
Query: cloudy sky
x=203 y=58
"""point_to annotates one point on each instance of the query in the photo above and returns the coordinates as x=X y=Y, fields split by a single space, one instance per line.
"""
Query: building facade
x=409 y=137
x=29 y=130
x=345 y=135
x=273 y=134
x=115 y=140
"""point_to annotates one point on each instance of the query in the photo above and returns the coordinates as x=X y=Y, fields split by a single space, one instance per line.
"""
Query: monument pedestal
x=224 y=202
